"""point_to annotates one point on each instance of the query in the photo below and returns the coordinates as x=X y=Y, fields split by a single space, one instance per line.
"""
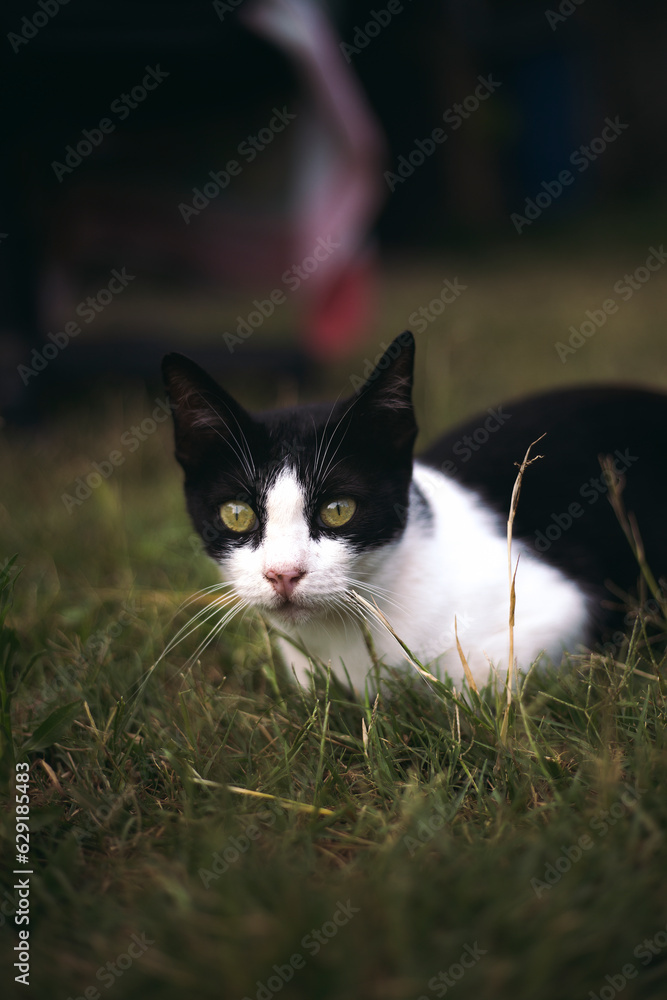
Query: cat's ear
x=386 y=396
x=204 y=414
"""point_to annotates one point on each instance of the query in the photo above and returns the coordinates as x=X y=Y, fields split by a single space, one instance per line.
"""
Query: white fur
x=456 y=567
x=286 y=546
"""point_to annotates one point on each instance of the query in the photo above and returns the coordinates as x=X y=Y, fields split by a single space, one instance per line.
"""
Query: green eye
x=238 y=516
x=338 y=512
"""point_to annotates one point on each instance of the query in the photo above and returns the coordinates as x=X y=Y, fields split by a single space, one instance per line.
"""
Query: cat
x=303 y=506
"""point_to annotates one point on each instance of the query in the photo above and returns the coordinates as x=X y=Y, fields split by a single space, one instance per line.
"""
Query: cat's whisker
x=358 y=613
x=193 y=623
x=205 y=423
x=377 y=615
x=243 y=452
x=374 y=586
x=377 y=592
x=334 y=433
x=215 y=631
x=141 y=682
x=220 y=585
x=381 y=599
x=325 y=472
x=219 y=600
x=449 y=562
x=320 y=455
x=245 y=448
x=338 y=606
x=318 y=444
x=203 y=593
x=347 y=611
x=332 y=468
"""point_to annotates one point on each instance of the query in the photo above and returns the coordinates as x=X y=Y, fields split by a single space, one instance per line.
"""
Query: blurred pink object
x=338 y=187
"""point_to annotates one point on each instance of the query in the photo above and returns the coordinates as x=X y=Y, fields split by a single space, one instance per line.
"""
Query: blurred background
x=279 y=187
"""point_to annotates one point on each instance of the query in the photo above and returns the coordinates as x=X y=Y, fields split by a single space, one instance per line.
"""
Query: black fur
x=563 y=515
x=363 y=444
x=581 y=426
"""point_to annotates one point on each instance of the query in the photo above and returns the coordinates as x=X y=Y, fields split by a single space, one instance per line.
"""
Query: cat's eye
x=238 y=516
x=336 y=513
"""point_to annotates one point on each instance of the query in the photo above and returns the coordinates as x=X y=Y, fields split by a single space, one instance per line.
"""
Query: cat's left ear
x=204 y=414
x=386 y=396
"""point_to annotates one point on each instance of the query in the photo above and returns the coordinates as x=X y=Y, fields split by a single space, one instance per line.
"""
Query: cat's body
x=426 y=539
x=448 y=564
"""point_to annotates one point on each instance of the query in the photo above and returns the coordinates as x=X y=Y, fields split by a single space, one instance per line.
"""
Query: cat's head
x=293 y=503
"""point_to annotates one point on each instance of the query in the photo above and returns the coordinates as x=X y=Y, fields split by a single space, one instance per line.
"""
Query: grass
x=208 y=830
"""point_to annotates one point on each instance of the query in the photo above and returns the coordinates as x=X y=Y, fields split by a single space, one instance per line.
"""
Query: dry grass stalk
x=384 y=621
x=628 y=522
x=466 y=669
x=514 y=503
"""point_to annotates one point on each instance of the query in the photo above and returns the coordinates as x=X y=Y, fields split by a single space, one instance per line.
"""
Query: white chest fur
x=453 y=568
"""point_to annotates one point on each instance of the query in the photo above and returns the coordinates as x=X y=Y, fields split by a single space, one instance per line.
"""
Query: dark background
x=119 y=207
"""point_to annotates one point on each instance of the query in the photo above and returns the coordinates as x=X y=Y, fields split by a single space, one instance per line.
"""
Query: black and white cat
x=301 y=506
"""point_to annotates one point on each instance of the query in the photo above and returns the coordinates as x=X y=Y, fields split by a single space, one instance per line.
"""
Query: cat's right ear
x=205 y=416
x=385 y=399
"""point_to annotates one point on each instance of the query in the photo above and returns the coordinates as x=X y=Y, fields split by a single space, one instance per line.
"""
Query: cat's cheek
x=328 y=564
x=244 y=570
x=331 y=563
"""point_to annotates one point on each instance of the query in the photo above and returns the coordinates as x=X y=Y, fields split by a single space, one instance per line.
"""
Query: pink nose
x=284 y=583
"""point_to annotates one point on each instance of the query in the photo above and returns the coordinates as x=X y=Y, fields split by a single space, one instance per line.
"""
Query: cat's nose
x=285 y=581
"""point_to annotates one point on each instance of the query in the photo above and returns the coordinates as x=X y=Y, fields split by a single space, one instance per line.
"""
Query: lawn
x=202 y=828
